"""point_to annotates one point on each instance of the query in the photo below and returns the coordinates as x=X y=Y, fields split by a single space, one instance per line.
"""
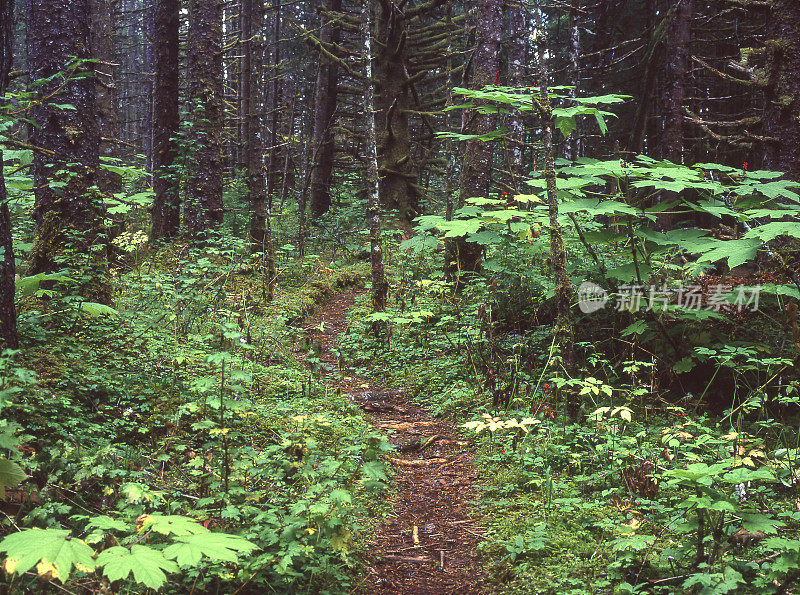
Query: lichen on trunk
x=68 y=209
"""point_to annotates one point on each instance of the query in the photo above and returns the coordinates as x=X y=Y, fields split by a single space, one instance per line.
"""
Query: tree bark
x=677 y=57
x=573 y=143
x=517 y=52
x=272 y=172
x=252 y=33
x=8 y=313
x=325 y=108
x=166 y=120
x=203 y=210
x=380 y=287
x=677 y=53
x=68 y=211
x=782 y=96
x=103 y=50
x=564 y=328
x=398 y=179
x=476 y=168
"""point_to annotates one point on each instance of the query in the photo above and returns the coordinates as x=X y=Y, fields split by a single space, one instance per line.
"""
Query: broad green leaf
x=684 y=365
x=595 y=207
x=374 y=470
x=218 y=546
x=11 y=474
x=31 y=284
x=146 y=564
x=782 y=188
x=638 y=327
x=137 y=492
x=485 y=237
x=781 y=543
x=460 y=228
x=106 y=523
x=736 y=252
x=52 y=550
x=171 y=524
x=770 y=231
x=96 y=310
x=790 y=290
x=744 y=474
x=760 y=522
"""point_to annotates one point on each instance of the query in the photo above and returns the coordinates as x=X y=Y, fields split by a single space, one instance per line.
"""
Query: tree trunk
x=204 y=186
x=564 y=327
x=564 y=331
x=782 y=97
x=272 y=173
x=68 y=211
x=677 y=53
x=305 y=176
x=166 y=120
x=103 y=50
x=518 y=33
x=476 y=168
x=380 y=287
x=148 y=25
x=573 y=144
x=398 y=180
x=252 y=33
x=325 y=107
x=677 y=57
x=8 y=314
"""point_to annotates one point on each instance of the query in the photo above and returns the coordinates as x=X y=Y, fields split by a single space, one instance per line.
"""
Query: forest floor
x=428 y=541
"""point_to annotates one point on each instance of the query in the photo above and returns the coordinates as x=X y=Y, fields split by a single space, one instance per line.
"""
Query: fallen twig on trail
x=416 y=462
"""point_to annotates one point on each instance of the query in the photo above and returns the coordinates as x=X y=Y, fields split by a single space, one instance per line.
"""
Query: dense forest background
x=562 y=236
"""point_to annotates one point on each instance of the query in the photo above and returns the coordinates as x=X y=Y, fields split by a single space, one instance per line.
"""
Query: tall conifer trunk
x=380 y=287
x=68 y=210
x=675 y=92
x=398 y=179
x=476 y=168
x=8 y=314
x=166 y=119
x=782 y=97
x=518 y=32
x=325 y=107
x=103 y=50
x=204 y=187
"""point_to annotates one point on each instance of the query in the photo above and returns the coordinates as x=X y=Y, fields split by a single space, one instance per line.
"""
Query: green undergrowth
x=186 y=402
x=640 y=495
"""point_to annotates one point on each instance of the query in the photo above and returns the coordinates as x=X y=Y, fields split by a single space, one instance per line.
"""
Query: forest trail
x=428 y=542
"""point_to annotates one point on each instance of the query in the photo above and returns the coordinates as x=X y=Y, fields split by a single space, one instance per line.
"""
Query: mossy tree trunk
x=398 y=179
x=102 y=41
x=679 y=37
x=68 y=210
x=564 y=328
x=274 y=150
x=782 y=93
x=203 y=209
x=517 y=44
x=8 y=314
x=564 y=332
x=252 y=86
x=324 y=110
x=380 y=287
x=677 y=56
x=476 y=168
x=166 y=119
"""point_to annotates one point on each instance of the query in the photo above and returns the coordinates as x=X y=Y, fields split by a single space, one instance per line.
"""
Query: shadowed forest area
x=399 y=296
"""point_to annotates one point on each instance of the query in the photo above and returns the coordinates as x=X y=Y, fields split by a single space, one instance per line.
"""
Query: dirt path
x=427 y=544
